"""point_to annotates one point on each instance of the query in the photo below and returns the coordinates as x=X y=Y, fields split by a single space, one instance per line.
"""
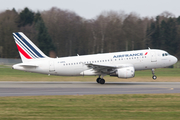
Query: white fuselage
x=76 y=65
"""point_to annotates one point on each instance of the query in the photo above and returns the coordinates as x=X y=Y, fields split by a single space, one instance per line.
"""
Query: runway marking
x=167 y=88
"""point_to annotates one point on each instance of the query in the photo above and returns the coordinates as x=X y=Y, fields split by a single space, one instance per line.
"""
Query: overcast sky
x=91 y=8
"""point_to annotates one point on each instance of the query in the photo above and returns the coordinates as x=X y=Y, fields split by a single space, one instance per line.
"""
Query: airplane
x=118 y=64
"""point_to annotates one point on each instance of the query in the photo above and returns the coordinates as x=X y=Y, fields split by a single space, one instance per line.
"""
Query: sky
x=89 y=9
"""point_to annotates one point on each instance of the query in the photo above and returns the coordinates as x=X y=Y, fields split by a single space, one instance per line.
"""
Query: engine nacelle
x=127 y=72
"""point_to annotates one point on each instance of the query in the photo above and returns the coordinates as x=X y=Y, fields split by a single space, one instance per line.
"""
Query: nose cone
x=174 y=60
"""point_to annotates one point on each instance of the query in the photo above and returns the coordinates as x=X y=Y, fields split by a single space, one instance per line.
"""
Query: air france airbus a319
x=120 y=64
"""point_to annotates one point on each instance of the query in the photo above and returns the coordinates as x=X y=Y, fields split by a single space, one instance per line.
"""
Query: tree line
x=61 y=33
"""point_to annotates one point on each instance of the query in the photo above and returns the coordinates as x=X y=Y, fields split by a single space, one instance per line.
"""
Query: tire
x=102 y=81
x=154 y=77
x=98 y=80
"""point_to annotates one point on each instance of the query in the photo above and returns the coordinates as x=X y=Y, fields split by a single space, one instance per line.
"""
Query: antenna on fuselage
x=149 y=48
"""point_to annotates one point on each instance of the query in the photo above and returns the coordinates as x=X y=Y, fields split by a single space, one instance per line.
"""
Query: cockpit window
x=165 y=54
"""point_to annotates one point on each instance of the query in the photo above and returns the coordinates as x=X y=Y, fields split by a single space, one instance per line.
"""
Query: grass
x=164 y=74
x=171 y=72
x=90 y=107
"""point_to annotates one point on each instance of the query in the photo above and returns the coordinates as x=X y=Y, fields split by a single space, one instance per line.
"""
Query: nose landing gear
x=154 y=76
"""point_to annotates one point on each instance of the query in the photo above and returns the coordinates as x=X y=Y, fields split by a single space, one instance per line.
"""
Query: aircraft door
x=51 y=66
x=153 y=56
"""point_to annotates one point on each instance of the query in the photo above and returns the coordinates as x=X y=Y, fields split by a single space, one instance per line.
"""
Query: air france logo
x=129 y=55
x=146 y=53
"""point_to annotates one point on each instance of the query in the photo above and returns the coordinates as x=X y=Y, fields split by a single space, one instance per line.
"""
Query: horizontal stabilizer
x=23 y=66
x=29 y=65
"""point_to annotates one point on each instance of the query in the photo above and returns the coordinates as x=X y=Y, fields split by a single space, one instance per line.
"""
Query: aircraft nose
x=174 y=60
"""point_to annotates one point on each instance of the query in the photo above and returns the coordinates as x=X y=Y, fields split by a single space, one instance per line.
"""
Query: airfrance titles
x=128 y=55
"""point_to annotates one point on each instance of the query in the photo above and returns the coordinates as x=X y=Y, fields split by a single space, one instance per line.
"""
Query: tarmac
x=86 y=88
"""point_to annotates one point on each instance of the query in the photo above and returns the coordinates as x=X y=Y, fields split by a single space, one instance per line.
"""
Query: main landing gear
x=154 y=76
x=100 y=80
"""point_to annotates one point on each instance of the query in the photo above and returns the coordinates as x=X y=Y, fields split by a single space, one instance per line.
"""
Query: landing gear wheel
x=101 y=81
x=98 y=79
x=154 y=77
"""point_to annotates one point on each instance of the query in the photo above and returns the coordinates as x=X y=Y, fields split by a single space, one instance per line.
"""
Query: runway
x=85 y=88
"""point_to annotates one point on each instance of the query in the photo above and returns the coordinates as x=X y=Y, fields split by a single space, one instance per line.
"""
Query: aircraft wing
x=107 y=69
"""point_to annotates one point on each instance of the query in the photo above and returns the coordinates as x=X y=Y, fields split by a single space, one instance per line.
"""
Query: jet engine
x=127 y=72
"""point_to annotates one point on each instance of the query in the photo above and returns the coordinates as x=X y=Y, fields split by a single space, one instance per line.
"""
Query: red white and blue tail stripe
x=26 y=48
